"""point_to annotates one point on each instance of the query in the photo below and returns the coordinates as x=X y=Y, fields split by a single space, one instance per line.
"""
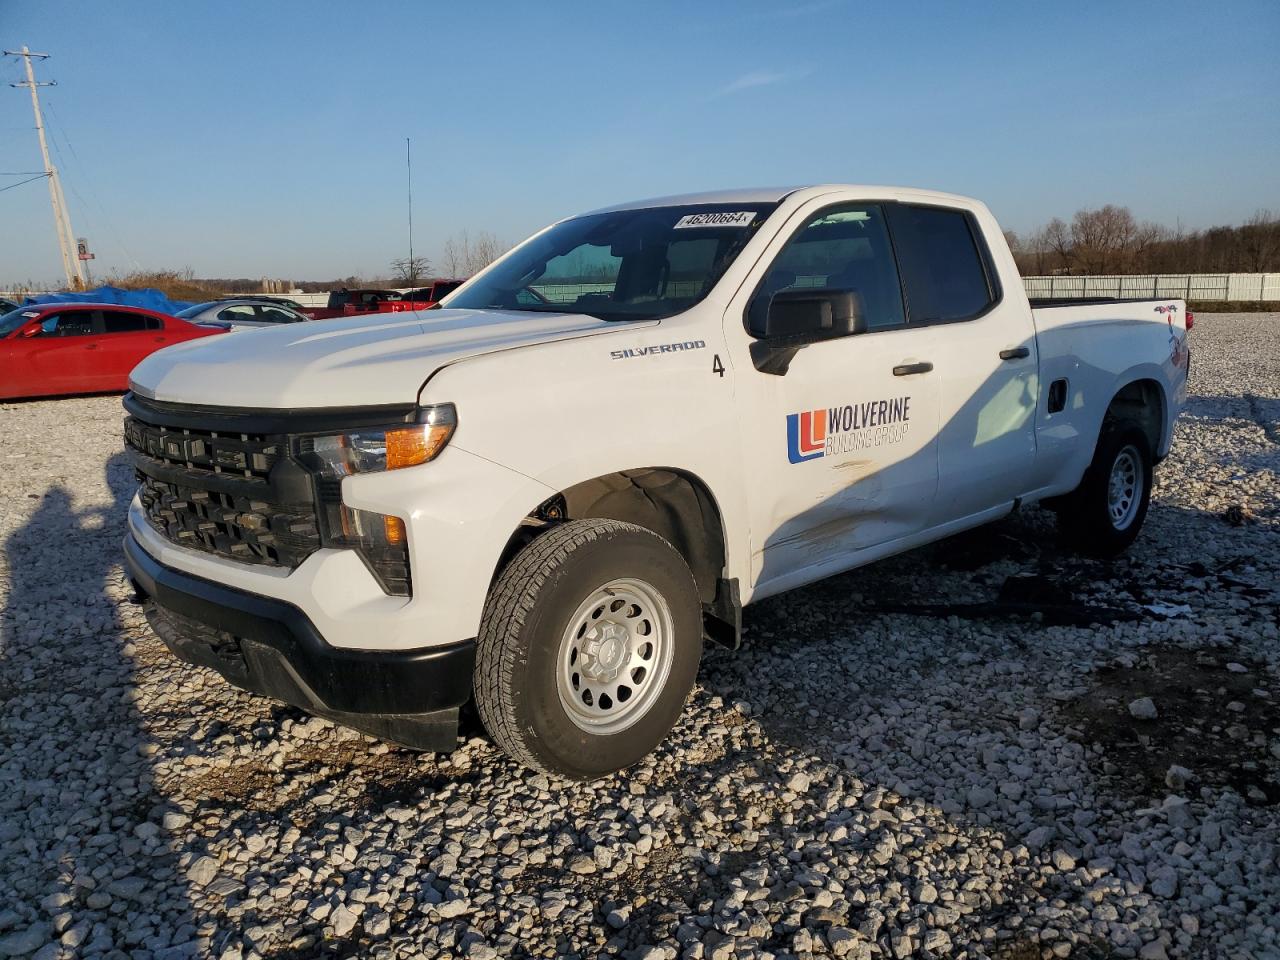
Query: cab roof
x=775 y=195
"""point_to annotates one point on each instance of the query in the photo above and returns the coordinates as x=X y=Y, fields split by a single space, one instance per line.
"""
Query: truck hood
x=353 y=361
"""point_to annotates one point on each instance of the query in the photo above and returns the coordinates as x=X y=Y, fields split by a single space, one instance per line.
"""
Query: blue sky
x=267 y=138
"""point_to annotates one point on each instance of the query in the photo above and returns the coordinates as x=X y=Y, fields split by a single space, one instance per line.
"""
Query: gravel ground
x=900 y=762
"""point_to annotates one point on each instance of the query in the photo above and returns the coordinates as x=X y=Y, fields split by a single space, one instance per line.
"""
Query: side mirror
x=791 y=319
x=808 y=314
x=31 y=330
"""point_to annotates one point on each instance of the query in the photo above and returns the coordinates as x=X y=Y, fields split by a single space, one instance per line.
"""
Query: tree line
x=1110 y=240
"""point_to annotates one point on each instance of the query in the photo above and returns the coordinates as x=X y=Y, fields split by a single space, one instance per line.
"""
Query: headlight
x=383 y=448
x=380 y=540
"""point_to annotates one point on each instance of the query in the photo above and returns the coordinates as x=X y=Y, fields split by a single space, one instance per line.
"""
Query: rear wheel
x=588 y=649
x=1104 y=515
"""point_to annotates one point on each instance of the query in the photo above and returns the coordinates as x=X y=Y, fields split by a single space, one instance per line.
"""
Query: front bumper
x=270 y=647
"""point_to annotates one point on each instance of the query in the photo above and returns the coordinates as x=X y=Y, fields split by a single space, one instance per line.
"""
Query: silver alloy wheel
x=1124 y=488
x=614 y=656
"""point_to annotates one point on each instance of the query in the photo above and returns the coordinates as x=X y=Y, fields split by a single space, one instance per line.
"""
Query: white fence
x=1185 y=286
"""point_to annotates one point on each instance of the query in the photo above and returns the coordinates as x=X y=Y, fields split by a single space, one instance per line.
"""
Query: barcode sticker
x=742 y=218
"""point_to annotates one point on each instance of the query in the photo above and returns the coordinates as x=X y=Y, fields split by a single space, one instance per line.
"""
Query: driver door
x=842 y=444
x=58 y=359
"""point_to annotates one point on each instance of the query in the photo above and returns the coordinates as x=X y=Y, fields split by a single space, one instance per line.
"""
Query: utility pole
x=408 y=165
x=66 y=237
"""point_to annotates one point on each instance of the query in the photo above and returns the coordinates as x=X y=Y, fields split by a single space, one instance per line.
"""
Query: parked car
x=266 y=297
x=246 y=312
x=64 y=348
x=641 y=419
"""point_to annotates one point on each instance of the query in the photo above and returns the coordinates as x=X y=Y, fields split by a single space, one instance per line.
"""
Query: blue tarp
x=148 y=299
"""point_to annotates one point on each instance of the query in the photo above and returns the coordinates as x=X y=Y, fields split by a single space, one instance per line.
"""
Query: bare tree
x=1260 y=242
x=409 y=272
x=1057 y=239
x=1099 y=238
x=466 y=254
x=1110 y=240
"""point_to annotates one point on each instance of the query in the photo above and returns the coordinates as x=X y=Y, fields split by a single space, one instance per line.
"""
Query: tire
x=1097 y=519
x=588 y=648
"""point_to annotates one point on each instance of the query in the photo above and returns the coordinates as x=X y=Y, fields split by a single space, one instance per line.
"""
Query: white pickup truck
x=542 y=496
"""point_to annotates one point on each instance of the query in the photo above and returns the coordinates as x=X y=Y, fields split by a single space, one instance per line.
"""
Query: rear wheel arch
x=1141 y=402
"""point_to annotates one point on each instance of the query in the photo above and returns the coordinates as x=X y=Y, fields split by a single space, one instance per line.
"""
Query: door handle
x=91 y=346
x=1017 y=353
x=907 y=369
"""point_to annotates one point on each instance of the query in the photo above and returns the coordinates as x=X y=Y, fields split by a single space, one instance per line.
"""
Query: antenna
x=66 y=236
x=408 y=165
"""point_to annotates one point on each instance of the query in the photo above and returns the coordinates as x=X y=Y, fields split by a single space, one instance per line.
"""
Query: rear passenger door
x=983 y=353
x=125 y=338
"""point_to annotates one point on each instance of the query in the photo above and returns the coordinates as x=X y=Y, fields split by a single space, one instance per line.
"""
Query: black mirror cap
x=809 y=313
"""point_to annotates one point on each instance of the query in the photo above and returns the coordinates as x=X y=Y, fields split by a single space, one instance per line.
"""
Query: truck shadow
x=977 y=599
x=74 y=743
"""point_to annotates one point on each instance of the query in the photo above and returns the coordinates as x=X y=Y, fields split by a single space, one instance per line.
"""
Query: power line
x=83 y=172
x=38 y=176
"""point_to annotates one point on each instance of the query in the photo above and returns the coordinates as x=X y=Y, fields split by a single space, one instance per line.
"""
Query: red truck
x=349 y=303
x=424 y=298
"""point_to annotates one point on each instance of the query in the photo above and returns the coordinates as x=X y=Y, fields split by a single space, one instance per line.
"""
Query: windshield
x=624 y=265
x=14 y=319
x=196 y=309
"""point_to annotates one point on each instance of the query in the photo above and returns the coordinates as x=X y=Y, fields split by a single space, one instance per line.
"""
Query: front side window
x=942 y=268
x=843 y=249
x=624 y=265
x=237 y=314
x=75 y=324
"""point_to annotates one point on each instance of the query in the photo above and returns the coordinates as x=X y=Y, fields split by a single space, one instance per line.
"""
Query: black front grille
x=243 y=454
x=235 y=484
x=238 y=527
x=234 y=495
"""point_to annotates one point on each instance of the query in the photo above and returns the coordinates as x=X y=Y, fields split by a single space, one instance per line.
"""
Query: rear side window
x=943 y=273
x=276 y=315
x=119 y=322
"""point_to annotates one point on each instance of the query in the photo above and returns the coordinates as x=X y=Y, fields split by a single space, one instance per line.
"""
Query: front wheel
x=1104 y=515
x=588 y=648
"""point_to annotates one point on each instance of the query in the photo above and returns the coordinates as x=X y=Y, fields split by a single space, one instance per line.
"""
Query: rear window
x=942 y=268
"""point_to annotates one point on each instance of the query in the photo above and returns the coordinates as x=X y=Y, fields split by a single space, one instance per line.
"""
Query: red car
x=61 y=348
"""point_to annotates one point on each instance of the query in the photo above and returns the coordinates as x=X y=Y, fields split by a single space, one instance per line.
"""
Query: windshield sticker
x=742 y=218
x=654 y=351
x=819 y=433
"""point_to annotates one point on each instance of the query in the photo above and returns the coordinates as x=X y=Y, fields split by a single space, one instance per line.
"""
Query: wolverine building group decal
x=856 y=426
